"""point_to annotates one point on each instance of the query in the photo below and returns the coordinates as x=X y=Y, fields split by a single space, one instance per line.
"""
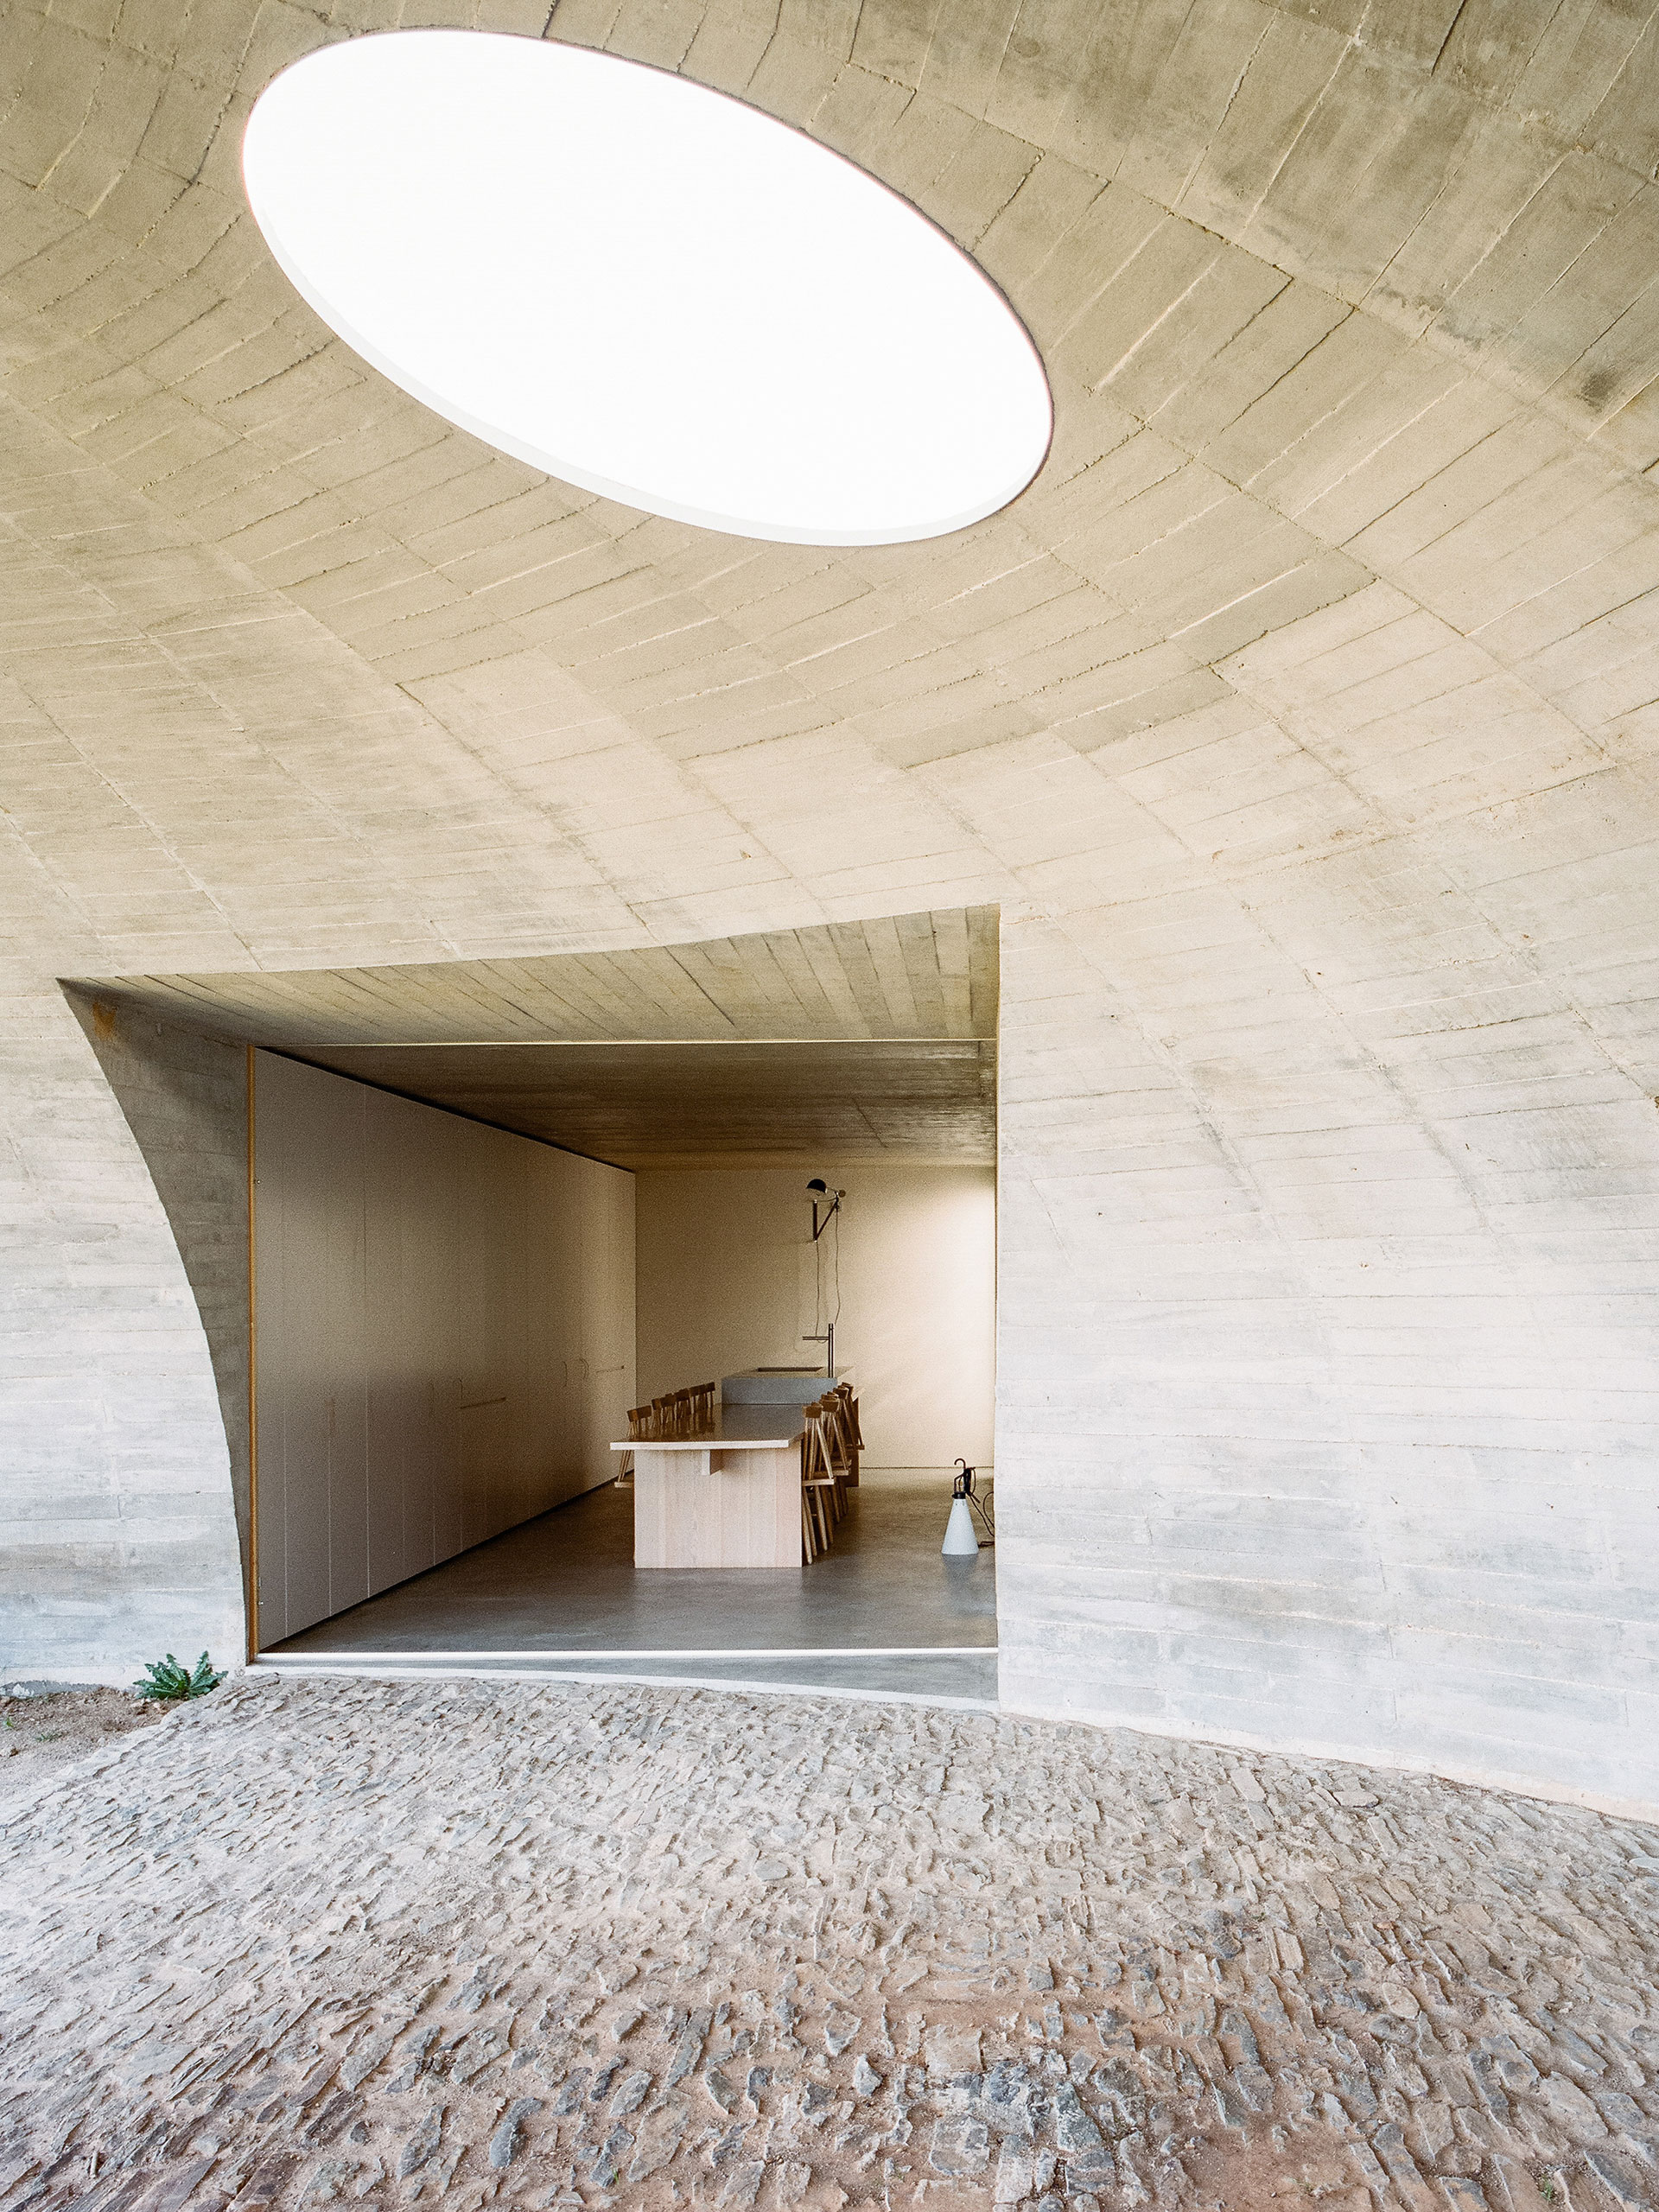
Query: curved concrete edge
x=132 y=1746
x=1382 y=1762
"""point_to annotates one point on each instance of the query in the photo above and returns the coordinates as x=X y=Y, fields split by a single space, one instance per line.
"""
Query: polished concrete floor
x=882 y=1612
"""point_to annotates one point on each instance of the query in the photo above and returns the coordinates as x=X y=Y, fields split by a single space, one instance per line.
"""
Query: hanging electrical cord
x=831 y=1301
x=823 y=1331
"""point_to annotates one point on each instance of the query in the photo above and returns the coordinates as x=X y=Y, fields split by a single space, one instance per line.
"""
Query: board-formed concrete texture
x=473 y=1942
x=1300 y=721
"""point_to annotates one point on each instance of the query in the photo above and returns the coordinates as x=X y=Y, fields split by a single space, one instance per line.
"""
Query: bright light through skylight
x=646 y=289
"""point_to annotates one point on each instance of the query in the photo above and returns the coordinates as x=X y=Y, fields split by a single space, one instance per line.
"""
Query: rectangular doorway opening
x=496 y=1208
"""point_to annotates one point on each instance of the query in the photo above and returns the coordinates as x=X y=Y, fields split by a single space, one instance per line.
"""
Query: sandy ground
x=466 y=1943
x=49 y=1726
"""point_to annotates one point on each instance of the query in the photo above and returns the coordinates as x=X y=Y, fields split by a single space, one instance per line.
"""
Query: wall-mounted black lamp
x=829 y=1202
x=822 y=1195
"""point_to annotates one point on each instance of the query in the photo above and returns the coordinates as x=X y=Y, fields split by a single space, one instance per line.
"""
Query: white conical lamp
x=960 y=1541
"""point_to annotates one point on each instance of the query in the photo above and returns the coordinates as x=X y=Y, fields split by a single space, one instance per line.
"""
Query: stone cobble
x=461 y=1943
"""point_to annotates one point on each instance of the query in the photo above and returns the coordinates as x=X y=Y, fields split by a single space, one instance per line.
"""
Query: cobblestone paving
x=312 y=1942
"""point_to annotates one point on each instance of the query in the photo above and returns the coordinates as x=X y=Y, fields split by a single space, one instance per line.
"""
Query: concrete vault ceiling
x=902 y=978
x=1302 y=721
x=861 y=1041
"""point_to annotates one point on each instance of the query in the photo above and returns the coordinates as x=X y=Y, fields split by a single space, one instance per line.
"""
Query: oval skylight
x=644 y=288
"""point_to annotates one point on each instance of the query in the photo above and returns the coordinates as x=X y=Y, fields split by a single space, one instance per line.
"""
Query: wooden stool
x=839 y=1448
x=851 y=1432
x=811 y=1514
x=818 y=1471
x=703 y=1396
x=818 y=1484
x=808 y=1541
x=838 y=1433
x=640 y=1432
x=828 y=1415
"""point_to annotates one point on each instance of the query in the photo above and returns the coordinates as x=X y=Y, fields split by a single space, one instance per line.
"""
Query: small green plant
x=166 y=1679
x=1547 y=2189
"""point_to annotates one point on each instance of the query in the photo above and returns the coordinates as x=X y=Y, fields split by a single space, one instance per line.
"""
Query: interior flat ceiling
x=687 y=1105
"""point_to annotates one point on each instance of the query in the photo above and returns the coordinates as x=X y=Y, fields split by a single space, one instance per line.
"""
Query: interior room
x=658 y=1354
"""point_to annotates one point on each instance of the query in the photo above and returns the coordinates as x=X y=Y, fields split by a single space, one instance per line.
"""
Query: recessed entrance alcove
x=485 y=1212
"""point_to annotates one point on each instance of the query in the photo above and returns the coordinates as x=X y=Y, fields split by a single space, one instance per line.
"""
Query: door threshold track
x=556 y=1656
x=488 y=1668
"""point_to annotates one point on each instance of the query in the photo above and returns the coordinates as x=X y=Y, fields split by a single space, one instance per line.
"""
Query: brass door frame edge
x=253 y=1401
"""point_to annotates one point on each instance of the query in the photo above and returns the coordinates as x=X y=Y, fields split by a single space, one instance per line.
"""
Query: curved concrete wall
x=1300 y=720
x=119 y=1515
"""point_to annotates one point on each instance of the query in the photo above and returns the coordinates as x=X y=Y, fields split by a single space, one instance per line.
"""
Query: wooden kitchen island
x=730 y=1497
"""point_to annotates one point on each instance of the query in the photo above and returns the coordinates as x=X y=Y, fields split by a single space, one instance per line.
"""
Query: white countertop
x=737 y=1428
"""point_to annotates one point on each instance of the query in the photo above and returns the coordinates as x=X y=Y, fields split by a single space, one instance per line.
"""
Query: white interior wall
x=444 y=1335
x=725 y=1280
